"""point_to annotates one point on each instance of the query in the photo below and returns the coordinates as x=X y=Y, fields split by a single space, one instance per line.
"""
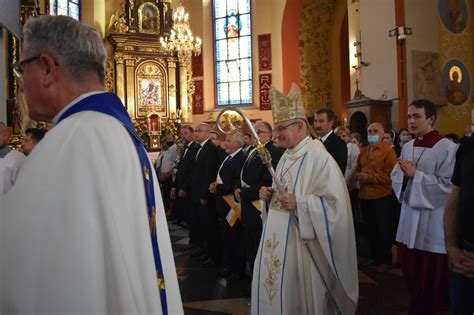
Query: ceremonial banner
x=264 y=52
x=198 y=70
x=265 y=83
x=198 y=98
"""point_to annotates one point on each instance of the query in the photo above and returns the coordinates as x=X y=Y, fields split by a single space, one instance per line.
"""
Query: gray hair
x=239 y=138
x=79 y=48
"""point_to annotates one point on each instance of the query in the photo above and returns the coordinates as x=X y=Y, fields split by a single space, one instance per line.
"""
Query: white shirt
x=323 y=138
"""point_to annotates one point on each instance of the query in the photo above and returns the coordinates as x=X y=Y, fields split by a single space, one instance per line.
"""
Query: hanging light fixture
x=181 y=39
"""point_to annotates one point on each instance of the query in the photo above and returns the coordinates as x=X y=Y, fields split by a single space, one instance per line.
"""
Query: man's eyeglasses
x=19 y=66
x=259 y=132
x=282 y=128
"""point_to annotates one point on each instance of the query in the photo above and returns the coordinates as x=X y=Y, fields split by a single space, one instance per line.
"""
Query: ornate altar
x=142 y=70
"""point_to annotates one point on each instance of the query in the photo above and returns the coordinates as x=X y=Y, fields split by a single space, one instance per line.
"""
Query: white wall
x=377 y=17
x=353 y=20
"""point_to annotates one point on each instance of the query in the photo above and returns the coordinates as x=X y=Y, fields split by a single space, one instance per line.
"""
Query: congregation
x=399 y=181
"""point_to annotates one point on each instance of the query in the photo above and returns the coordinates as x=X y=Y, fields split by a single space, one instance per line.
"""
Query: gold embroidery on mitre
x=286 y=107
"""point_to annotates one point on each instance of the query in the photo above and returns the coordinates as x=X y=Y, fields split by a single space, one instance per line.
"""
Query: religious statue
x=117 y=23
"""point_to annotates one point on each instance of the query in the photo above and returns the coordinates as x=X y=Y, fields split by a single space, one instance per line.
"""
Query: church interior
x=180 y=62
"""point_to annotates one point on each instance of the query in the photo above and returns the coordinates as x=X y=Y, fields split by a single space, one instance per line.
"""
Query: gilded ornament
x=109 y=75
x=117 y=23
x=273 y=264
x=286 y=107
x=119 y=59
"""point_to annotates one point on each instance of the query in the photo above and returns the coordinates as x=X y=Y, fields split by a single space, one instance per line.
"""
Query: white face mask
x=373 y=139
x=405 y=139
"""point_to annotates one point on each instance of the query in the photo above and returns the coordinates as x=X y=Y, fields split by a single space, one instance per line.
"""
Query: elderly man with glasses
x=285 y=277
x=83 y=229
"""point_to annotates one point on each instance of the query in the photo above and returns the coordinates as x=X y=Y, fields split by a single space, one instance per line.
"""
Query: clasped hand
x=287 y=201
x=408 y=167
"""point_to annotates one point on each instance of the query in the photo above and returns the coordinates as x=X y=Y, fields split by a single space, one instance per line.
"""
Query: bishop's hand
x=266 y=193
x=287 y=201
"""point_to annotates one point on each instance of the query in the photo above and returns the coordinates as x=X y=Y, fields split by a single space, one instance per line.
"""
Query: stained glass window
x=65 y=7
x=233 y=51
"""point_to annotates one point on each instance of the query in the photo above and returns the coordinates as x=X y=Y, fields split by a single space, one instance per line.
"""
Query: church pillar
x=183 y=91
x=120 y=78
x=130 y=81
x=172 y=87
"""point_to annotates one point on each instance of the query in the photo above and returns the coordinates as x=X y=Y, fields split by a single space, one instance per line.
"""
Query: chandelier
x=181 y=39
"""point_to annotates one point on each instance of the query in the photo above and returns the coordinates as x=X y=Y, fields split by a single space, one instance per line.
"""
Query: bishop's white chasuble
x=285 y=280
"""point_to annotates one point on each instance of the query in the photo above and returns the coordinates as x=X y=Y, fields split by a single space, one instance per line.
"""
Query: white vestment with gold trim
x=285 y=280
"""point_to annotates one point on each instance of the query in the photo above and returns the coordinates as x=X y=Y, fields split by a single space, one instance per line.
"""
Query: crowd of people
x=400 y=182
x=81 y=232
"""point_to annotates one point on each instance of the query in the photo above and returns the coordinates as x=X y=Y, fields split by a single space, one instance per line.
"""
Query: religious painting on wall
x=453 y=15
x=197 y=66
x=427 y=77
x=233 y=52
x=456 y=82
x=149 y=18
x=151 y=89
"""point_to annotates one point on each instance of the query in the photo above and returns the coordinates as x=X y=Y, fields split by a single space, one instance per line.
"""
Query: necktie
x=199 y=149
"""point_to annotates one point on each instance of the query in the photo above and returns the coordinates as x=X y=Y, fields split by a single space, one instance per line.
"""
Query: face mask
x=170 y=143
x=467 y=134
x=373 y=139
x=405 y=139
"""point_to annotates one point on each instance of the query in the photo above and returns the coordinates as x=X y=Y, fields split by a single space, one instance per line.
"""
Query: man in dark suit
x=228 y=178
x=204 y=220
x=323 y=124
x=182 y=182
x=215 y=138
x=253 y=176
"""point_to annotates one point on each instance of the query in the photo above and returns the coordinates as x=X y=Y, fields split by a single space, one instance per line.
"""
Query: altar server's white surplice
x=285 y=280
x=74 y=230
x=425 y=195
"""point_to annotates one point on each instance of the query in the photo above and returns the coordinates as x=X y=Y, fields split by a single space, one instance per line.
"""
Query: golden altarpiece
x=141 y=72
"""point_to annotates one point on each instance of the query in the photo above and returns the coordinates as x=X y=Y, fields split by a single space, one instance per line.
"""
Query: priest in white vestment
x=10 y=162
x=285 y=279
x=75 y=235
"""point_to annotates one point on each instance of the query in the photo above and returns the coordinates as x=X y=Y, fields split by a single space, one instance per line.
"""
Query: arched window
x=65 y=7
x=233 y=51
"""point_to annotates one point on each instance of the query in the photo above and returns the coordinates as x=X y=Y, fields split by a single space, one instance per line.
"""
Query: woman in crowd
x=353 y=151
x=391 y=138
x=405 y=136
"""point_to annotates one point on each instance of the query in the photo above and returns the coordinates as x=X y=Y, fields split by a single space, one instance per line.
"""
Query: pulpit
x=364 y=111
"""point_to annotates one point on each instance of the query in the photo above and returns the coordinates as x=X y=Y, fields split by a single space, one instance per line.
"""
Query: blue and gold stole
x=110 y=104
